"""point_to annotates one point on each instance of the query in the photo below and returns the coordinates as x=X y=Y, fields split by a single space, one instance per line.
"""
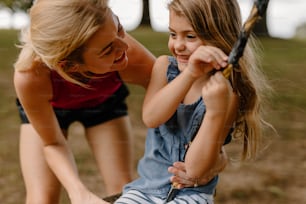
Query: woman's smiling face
x=106 y=51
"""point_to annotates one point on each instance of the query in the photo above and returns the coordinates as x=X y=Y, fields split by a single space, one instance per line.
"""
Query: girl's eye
x=191 y=36
x=172 y=34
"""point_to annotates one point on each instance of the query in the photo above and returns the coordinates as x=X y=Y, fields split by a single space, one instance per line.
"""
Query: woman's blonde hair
x=57 y=31
x=218 y=23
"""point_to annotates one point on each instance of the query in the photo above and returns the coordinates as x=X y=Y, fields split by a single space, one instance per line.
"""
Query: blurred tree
x=260 y=28
x=146 y=13
x=17 y=4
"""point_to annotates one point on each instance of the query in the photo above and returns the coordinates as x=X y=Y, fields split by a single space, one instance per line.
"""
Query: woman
x=74 y=59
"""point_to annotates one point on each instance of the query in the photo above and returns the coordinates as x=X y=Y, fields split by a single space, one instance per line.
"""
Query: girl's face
x=183 y=40
x=106 y=51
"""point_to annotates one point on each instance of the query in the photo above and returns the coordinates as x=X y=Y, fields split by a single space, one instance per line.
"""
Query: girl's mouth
x=182 y=59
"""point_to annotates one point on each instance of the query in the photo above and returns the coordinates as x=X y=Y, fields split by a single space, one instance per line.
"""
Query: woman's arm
x=34 y=91
x=140 y=63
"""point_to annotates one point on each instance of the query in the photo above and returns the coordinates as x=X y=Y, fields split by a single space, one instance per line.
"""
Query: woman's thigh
x=41 y=184
x=111 y=143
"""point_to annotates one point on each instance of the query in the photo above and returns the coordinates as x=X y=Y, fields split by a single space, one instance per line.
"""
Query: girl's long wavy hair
x=57 y=32
x=218 y=23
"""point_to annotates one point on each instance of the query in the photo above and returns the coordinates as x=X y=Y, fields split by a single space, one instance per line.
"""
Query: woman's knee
x=43 y=197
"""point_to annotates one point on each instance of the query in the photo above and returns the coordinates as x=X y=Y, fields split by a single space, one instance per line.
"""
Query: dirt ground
x=278 y=176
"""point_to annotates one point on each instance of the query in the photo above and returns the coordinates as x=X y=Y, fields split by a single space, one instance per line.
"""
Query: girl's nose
x=179 y=44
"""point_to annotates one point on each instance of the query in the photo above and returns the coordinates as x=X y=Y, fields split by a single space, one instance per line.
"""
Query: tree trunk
x=145 y=15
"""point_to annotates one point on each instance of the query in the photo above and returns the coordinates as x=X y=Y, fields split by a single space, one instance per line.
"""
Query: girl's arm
x=34 y=91
x=140 y=63
x=221 y=109
x=162 y=98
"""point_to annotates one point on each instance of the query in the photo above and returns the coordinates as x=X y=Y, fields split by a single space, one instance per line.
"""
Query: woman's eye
x=120 y=28
x=121 y=31
x=108 y=51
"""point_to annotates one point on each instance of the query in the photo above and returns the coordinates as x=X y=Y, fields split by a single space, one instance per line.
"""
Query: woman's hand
x=87 y=197
x=182 y=180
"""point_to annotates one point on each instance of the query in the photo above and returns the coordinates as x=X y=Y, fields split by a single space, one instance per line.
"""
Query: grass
x=276 y=177
x=12 y=190
x=284 y=63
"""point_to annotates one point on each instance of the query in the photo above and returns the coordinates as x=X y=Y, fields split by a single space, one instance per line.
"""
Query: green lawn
x=284 y=62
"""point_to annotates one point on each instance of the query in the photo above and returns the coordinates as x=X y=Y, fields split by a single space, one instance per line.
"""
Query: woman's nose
x=121 y=45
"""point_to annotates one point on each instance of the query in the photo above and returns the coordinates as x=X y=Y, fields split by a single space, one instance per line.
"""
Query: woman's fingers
x=179 y=175
x=181 y=179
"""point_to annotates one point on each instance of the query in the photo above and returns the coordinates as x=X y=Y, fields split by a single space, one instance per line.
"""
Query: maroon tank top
x=72 y=96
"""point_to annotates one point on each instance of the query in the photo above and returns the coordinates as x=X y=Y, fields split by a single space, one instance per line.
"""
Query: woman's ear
x=69 y=66
x=74 y=67
x=62 y=64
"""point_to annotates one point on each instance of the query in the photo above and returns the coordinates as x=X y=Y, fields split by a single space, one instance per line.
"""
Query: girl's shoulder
x=166 y=58
x=159 y=70
x=165 y=61
x=161 y=65
x=162 y=59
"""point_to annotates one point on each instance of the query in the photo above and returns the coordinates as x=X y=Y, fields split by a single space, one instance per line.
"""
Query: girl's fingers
x=219 y=56
x=214 y=56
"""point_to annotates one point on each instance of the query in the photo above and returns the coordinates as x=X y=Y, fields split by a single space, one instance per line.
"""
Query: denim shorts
x=114 y=107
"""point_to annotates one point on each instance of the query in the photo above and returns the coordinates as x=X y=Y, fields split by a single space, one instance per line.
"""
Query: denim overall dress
x=166 y=144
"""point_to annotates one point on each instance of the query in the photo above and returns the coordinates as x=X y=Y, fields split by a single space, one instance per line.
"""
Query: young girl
x=189 y=105
x=74 y=57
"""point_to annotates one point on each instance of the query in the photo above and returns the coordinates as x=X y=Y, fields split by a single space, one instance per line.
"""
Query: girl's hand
x=182 y=180
x=217 y=94
x=204 y=59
